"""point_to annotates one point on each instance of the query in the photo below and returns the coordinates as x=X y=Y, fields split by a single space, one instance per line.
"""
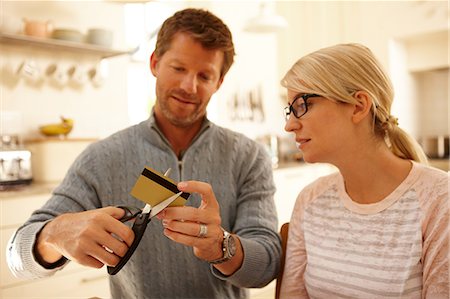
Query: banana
x=62 y=128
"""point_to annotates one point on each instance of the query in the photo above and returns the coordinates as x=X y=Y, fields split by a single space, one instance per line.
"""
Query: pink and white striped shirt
x=395 y=248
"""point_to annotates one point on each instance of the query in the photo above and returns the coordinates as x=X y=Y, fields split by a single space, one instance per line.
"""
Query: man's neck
x=179 y=137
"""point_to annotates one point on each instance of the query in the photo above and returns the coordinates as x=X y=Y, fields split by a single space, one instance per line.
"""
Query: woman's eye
x=178 y=69
x=301 y=106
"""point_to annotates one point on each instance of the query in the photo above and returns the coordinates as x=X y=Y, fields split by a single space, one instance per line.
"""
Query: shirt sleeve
x=435 y=230
x=293 y=284
x=19 y=254
x=255 y=221
x=20 y=249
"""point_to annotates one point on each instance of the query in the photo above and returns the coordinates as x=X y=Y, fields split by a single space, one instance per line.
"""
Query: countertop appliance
x=15 y=163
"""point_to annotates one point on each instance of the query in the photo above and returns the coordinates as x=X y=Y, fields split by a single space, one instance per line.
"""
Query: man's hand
x=182 y=225
x=86 y=238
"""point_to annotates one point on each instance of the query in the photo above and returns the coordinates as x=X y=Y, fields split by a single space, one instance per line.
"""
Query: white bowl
x=68 y=34
x=101 y=37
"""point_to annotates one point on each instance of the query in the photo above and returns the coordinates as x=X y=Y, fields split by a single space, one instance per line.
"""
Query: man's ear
x=362 y=107
x=153 y=62
x=219 y=83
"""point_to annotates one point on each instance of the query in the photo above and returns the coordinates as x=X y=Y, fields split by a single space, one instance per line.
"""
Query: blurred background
x=73 y=72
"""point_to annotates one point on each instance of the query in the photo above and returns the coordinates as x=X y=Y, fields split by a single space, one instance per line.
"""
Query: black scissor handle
x=130 y=213
x=139 y=226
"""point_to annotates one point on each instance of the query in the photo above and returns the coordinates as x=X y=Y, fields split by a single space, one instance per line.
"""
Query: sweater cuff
x=43 y=263
x=246 y=276
x=21 y=257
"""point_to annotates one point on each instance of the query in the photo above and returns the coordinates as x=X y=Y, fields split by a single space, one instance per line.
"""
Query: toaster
x=15 y=165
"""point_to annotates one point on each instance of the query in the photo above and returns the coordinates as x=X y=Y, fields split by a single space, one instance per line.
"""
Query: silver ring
x=107 y=249
x=203 y=231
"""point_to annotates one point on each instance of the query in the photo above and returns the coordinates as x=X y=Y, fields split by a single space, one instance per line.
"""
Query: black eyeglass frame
x=290 y=109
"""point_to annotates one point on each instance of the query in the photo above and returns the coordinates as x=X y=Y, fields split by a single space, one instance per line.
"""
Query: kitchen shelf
x=55 y=44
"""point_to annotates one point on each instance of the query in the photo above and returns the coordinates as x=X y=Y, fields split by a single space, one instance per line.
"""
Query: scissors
x=143 y=217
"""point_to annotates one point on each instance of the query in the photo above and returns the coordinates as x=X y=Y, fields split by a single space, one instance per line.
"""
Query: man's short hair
x=206 y=28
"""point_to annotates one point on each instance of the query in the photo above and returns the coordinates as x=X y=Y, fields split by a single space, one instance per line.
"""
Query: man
x=189 y=253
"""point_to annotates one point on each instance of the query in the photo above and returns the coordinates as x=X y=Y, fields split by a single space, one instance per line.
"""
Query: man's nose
x=189 y=84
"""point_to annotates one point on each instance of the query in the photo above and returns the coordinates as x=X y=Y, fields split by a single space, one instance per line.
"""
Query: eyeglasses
x=299 y=105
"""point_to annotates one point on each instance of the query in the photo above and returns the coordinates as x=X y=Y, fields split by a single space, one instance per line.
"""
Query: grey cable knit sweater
x=239 y=171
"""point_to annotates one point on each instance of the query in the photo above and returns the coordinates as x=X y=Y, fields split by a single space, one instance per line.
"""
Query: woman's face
x=323 y=133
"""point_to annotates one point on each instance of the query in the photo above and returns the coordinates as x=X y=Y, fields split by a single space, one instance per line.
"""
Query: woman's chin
x=309 y=158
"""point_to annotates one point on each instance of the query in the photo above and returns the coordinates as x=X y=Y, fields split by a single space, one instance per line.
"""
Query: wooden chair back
x=284 y=236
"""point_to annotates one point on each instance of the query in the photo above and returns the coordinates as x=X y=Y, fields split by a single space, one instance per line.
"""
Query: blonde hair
x=337 y=73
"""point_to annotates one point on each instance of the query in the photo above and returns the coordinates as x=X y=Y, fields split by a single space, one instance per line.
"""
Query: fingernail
x=167 y=236
x=182 y=185
x=161 y=215
x=165 y=222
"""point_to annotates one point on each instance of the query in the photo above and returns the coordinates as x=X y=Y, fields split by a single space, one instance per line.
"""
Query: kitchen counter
x=443 y=164
x=28 y=191
x=39 y=188
x=46 y=188
x=16 y=206
x=289 y=164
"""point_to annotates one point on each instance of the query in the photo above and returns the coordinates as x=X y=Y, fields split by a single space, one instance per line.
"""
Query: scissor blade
x=164 y=204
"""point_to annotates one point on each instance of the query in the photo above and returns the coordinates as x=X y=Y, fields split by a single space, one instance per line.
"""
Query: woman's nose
x=189 y=84
x=292 y=124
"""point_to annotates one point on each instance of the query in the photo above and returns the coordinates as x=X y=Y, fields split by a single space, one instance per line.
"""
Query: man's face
x=187 y=75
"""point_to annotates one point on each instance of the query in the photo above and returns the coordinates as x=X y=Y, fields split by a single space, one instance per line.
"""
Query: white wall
x=97 y=111
x=261 y=61
x=316 y=24
x=129 y=88
x=255 y=67
x=380 y=25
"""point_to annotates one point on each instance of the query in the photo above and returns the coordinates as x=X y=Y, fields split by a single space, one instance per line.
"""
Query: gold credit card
x=153 y=187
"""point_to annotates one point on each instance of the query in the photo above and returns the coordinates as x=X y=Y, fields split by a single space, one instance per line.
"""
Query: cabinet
x=420 y=72
x=74 y=280
x=289 y=181
x=58 y=45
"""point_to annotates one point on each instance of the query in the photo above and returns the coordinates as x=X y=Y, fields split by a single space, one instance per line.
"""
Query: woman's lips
x=301 y=142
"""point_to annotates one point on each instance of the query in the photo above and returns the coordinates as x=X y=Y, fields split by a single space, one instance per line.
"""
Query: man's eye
x=205 y=77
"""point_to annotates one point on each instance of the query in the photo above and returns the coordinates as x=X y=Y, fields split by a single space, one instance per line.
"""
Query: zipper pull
x=180 y=167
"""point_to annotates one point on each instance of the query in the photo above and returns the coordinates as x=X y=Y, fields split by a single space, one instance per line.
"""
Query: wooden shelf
x=56 y=44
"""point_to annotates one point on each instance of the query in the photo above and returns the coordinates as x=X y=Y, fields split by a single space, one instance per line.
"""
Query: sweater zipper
x=180 y=169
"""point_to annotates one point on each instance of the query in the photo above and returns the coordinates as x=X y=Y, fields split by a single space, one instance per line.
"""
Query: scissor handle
x=139 y=226
x=130 y=213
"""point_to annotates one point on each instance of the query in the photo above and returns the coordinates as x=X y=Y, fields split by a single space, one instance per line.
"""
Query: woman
x=378 y=228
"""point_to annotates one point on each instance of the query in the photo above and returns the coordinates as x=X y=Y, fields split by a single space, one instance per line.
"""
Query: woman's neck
x=371 y=179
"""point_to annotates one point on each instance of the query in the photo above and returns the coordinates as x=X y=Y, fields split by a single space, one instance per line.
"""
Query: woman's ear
x=362 y=107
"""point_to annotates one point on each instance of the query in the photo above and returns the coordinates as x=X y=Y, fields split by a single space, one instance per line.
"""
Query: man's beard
x=177 y=121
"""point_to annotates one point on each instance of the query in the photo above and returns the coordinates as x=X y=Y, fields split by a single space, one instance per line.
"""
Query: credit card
x=153 y=187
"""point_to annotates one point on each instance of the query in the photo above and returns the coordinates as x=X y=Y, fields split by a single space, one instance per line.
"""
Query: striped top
x=395 y=248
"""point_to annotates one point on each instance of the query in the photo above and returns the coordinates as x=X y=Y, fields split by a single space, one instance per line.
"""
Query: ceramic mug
x=57 y=74
x=78 y=74
x=98 y=73
x=29 y=70
x=38 y=28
